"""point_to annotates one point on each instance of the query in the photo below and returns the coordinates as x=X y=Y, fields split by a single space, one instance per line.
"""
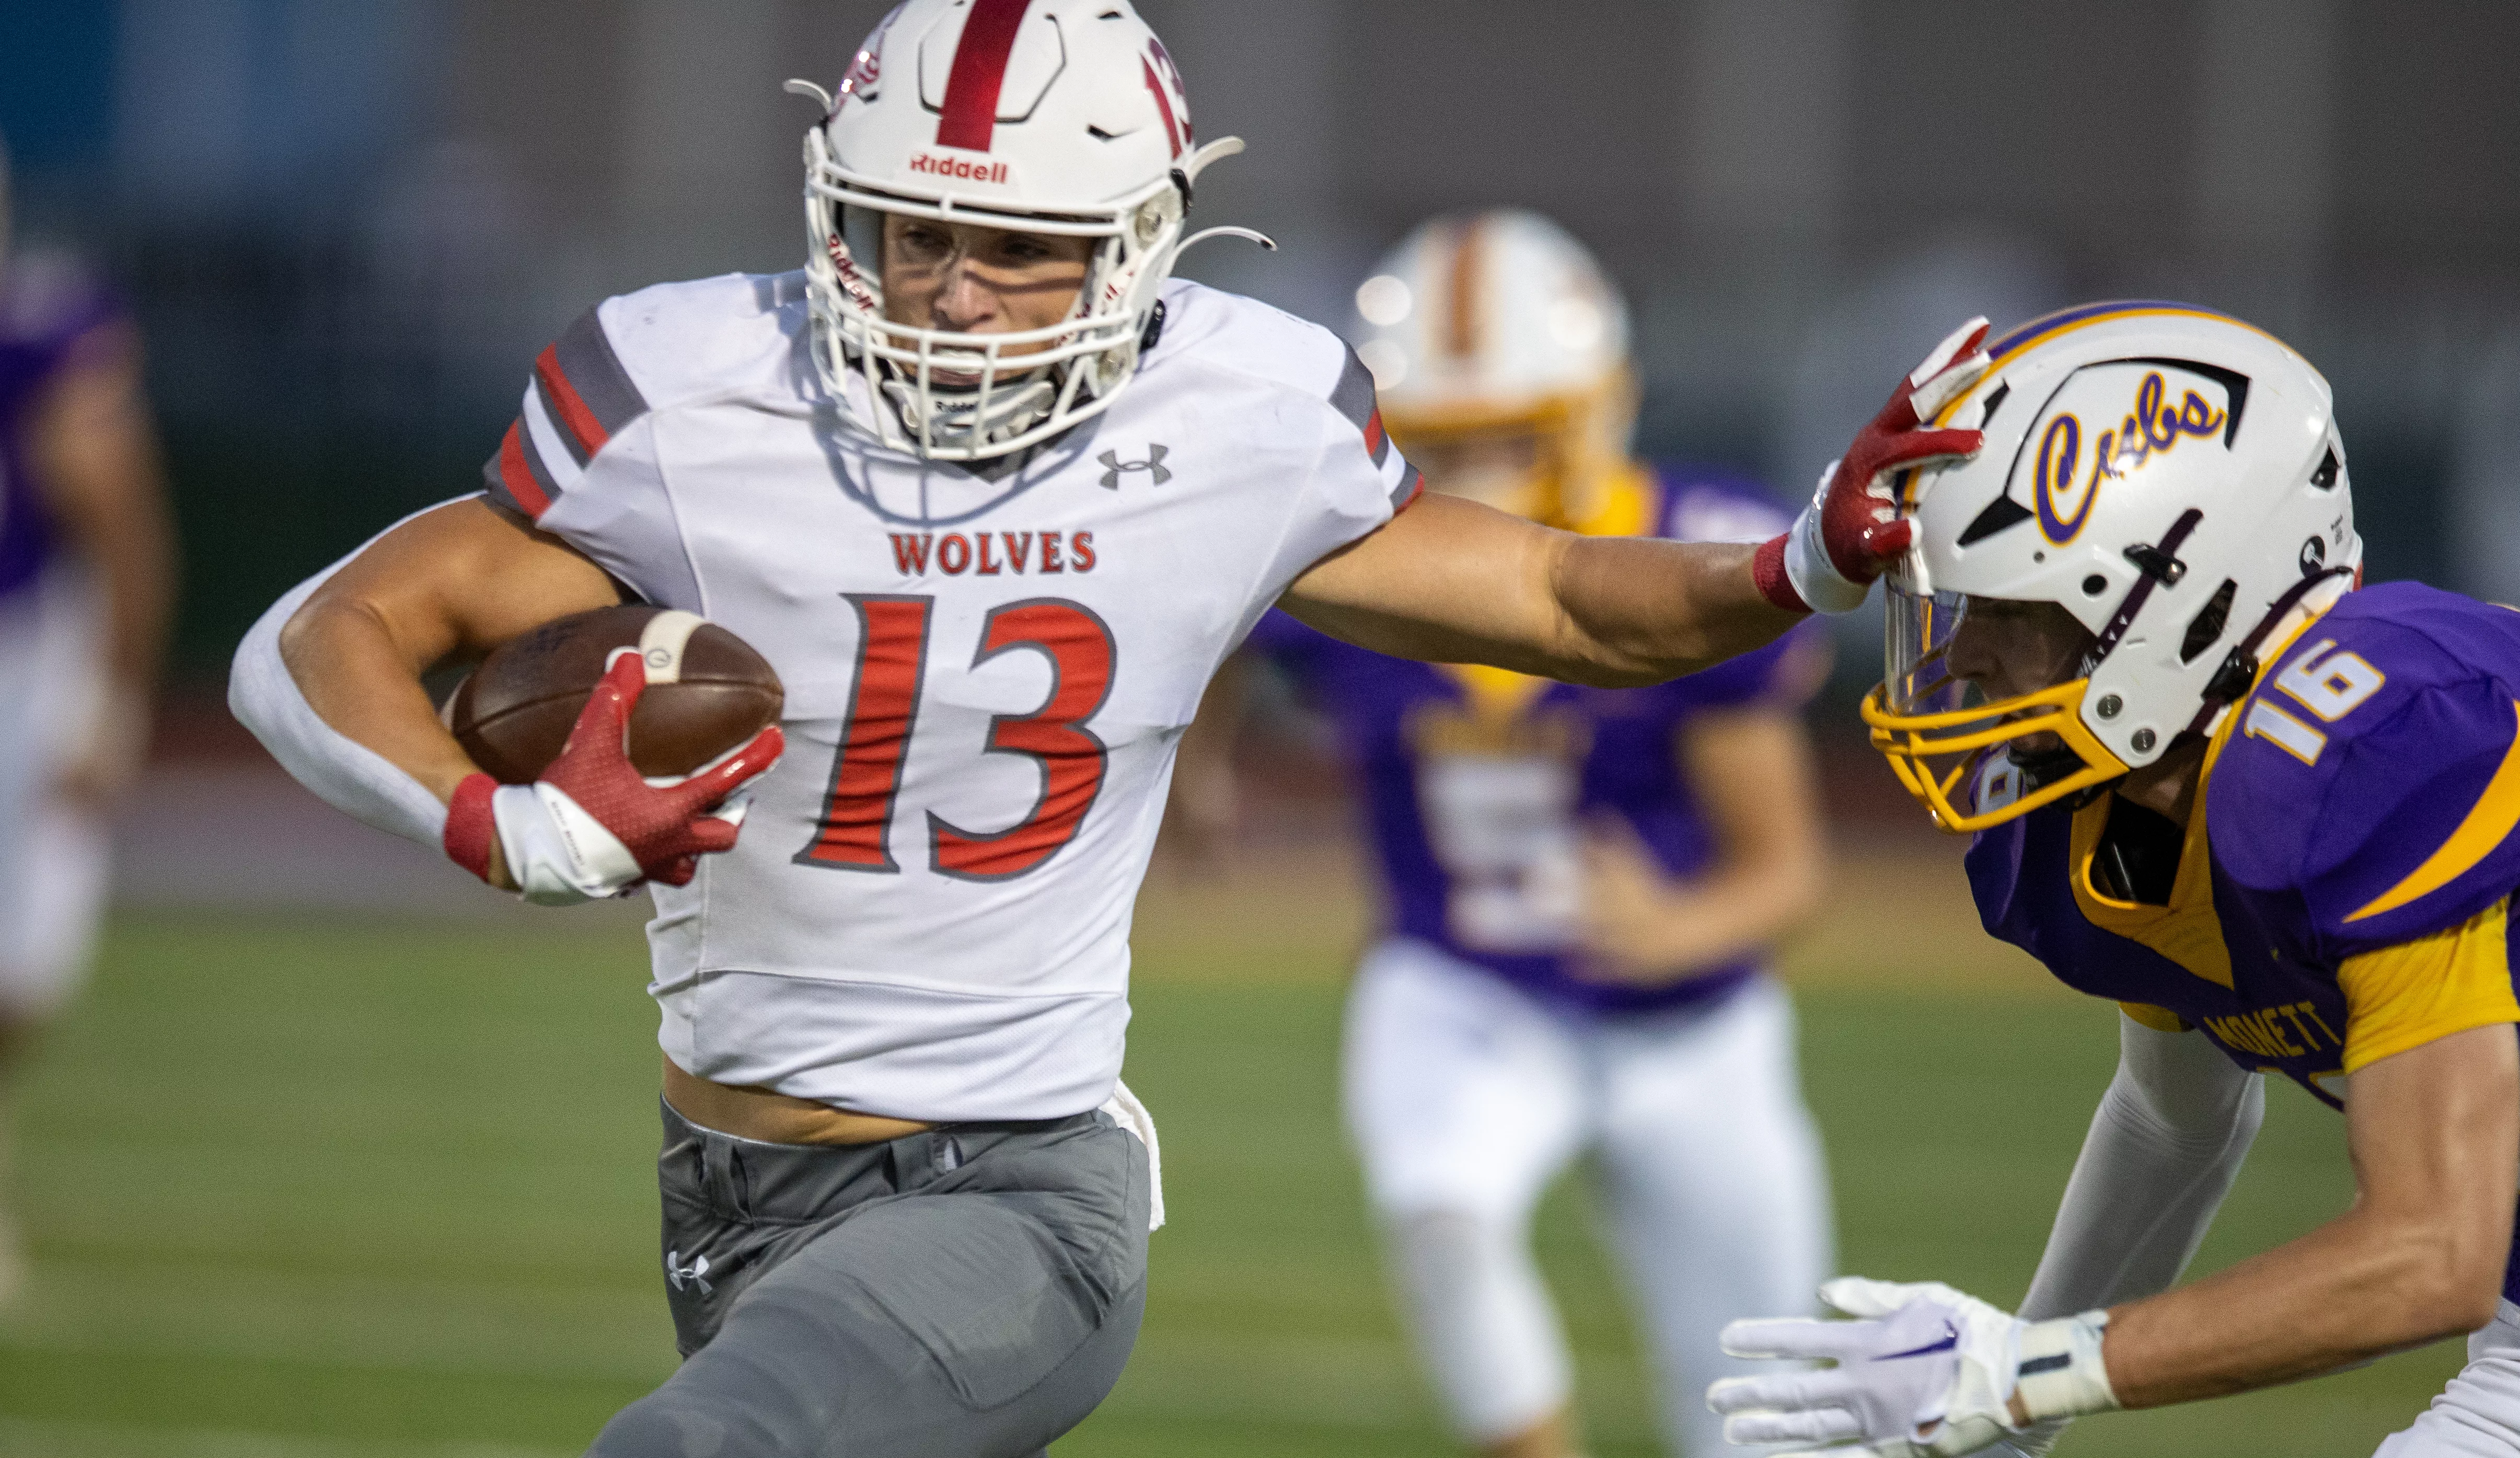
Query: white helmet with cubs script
x=2171 y=478
x=1050 y=116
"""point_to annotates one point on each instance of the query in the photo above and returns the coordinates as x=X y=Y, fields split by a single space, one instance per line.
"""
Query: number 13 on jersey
x=855 y=830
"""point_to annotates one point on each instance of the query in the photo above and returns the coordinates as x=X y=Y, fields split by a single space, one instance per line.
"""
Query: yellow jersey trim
x=2408 y=995
x=2159 y=1019
x=2187 y=931
x=2492 y=818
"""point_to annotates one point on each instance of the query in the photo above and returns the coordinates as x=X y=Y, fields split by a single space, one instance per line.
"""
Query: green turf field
x=341 y=1188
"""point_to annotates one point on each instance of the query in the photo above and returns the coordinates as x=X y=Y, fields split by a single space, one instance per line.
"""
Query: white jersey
x=987 y=673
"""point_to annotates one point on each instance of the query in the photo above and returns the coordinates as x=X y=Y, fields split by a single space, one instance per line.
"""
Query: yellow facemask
x=1954 y=749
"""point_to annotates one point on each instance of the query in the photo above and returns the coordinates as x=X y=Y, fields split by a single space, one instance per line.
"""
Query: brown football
x=708 y=692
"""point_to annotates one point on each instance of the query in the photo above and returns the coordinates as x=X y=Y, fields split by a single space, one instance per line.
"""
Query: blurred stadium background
x=256 y=1157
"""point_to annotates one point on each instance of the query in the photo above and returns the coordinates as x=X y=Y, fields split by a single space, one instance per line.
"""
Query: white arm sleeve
x=2164 y=1148
x=349 y=776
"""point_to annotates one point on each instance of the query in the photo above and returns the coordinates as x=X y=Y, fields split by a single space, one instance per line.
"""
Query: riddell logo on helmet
x=964 y=167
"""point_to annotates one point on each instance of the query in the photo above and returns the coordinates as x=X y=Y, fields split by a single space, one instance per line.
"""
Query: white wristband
x=558 y=854
x=2060 y=1373
x=1806 y=564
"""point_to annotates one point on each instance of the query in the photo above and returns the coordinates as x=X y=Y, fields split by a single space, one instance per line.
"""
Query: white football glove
x=1923 y=1371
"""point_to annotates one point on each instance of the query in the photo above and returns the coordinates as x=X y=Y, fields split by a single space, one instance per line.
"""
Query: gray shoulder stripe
x=576 y=448
x=1354 y=396
x=589 y=370
x=516 y=475
x=1412 y=481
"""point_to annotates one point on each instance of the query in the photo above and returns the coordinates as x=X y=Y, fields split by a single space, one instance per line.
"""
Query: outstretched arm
x=1452 y=581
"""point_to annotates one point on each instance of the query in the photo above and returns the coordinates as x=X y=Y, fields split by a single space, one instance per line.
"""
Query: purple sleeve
x=2414 y=833
x=2401 y=824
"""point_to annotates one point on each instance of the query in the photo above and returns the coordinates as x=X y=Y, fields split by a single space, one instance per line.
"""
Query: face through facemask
x=1979 y=713
x=973 y=280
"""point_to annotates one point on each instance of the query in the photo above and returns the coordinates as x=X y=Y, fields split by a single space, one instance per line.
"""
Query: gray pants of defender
x=968 y=1293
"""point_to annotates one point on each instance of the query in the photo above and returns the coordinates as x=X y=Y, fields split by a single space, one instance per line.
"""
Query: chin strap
x=2239 y=670
x=2159 y=564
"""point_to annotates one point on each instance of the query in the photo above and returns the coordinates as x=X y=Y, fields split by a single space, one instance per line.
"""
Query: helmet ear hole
x=2094 y=584
x=2205 y=629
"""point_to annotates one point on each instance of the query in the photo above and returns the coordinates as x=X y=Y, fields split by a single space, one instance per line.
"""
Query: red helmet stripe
x=1163 y=103
x=970 y=119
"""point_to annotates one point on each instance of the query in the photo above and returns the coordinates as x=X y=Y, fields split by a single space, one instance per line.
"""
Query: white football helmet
x=1057 y=117
x=1501 y=325
x=2170 y=477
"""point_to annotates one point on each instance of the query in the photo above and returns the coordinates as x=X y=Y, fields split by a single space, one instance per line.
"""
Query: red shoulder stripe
x=517 y=476
x=567 y=404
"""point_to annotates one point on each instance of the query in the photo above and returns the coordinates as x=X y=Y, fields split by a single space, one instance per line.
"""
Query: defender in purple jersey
x=2272 y=817
x=1579 y=884
x=86 y=578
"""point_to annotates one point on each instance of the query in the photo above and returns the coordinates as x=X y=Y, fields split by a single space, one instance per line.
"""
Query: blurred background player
x=1582 y=883
x=86 y=580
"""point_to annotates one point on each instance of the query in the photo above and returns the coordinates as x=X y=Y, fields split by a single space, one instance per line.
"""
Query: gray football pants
x=971 y=1292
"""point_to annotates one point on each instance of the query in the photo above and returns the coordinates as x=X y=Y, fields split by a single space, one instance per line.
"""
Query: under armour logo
x=1153 y=463
x=697 y=1273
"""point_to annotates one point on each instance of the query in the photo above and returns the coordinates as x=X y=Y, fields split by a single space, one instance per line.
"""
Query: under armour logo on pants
x=1153 y=464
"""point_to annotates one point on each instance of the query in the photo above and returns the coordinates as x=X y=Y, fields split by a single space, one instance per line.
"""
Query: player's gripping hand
x=1852 y=531
x=592 y=827
x=1921 y=1369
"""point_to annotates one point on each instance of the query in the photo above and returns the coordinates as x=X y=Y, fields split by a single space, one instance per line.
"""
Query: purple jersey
x=1478 y=784
x=2355 y=826
x=47 y=305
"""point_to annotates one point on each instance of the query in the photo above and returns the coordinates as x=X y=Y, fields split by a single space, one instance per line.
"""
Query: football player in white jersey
x=1578 y=886
x=995 y=496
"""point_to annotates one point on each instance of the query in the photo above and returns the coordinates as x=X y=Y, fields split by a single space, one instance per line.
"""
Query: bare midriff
x=758 y=1114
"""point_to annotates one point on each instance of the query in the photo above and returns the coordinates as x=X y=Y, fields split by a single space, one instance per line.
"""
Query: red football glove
x=592 y=826
x=1852 y=531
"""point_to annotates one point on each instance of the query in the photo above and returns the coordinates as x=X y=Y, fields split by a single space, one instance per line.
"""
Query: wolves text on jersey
x=991 y=554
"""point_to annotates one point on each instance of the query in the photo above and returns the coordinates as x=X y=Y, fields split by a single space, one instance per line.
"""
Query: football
x=708 y=692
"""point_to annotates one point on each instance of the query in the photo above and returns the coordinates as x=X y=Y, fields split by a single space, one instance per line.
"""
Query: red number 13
x=854 y=833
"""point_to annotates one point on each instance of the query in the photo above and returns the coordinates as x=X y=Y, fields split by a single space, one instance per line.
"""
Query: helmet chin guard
x=1041 y=117
x=2170 y=477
